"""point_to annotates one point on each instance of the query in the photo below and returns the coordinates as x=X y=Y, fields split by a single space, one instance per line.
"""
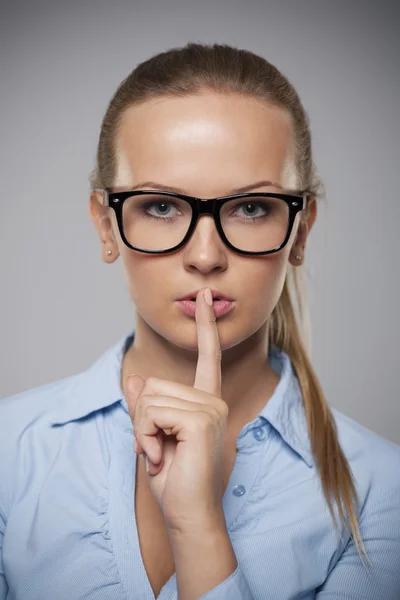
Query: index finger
x=208 y=370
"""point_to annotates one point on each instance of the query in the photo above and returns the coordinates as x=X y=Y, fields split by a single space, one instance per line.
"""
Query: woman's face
x=207 y=146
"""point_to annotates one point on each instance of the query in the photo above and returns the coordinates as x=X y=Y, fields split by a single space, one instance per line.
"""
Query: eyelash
x=148 y=205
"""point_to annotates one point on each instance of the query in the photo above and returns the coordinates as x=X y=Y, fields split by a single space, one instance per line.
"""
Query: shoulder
x=365 y=447
x=30 y=436
x=375 y=465
x=24 y=425
x=21 y=410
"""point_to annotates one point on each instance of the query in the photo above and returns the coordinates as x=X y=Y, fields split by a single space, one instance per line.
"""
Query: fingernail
x=208 y=296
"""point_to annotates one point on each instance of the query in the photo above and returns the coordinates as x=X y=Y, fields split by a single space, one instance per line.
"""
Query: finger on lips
x=207 y=379
x=208 y=371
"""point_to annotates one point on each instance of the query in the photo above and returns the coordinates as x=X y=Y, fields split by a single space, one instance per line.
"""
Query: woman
x=245 y=484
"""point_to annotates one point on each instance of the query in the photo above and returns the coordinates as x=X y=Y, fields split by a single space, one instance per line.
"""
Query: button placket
x=248 y=465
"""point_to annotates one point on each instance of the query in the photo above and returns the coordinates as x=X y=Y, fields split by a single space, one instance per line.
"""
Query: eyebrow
x=168 y=188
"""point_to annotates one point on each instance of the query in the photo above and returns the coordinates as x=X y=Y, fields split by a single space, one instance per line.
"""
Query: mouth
x=220 y=305
x=194 y=299
x=217 y=295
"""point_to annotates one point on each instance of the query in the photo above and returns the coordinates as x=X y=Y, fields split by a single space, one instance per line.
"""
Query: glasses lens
x=256 y=223
x=157 y=222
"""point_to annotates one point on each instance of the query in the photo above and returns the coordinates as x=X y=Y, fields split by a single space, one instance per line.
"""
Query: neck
x=248 y=380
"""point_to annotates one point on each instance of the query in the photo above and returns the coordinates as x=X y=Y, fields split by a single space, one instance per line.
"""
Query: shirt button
x=260 y=433
x=239 y=490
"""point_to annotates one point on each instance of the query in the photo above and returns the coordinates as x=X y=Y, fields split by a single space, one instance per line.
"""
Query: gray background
x=61 y=306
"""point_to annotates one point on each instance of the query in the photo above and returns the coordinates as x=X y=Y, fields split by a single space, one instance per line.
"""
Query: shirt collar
x=284 y=409
x=96 y=388
x=100 y=387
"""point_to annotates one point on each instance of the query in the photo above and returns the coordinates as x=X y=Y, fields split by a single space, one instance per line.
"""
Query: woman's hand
x=181 y=430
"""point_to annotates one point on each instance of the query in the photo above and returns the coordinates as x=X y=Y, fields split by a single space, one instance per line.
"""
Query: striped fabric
x=67 y=518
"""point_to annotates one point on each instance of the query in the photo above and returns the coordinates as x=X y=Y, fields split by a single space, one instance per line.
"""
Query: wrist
x=210 y=525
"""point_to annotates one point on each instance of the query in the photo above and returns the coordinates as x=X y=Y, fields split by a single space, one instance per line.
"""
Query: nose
x=205 y=251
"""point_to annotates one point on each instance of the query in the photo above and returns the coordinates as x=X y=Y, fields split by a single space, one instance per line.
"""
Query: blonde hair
x=223 y=69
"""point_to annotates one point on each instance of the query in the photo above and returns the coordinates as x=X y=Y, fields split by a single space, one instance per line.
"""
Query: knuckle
x=223 y=408
x=213 y=412
x=208 y=419
x=144 y=400
x=148 y=411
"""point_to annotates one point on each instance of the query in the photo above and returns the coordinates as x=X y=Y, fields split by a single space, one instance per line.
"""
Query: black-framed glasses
x=158 y=222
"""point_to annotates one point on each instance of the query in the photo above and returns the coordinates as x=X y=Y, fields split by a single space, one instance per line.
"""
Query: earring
x=109 y=252
x=298 y=257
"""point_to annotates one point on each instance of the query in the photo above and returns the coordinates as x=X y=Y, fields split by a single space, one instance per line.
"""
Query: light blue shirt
x=67 y=517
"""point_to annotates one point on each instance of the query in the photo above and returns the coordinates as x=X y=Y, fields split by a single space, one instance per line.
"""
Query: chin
x=180 y=330
x=183 y=334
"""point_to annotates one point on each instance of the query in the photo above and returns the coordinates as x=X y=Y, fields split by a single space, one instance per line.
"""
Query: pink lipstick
x=221 y=307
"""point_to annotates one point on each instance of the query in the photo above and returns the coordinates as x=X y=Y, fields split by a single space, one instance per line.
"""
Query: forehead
x=177 y=139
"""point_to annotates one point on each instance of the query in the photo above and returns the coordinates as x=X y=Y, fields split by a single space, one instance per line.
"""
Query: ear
x=303 y=230
x=101 y=217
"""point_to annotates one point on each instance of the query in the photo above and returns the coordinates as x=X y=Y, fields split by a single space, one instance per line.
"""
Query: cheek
x=145 y=277
x=263 y=274
x=143 y=273
x=263 y=282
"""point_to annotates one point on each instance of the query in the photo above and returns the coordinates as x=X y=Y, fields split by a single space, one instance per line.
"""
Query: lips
x=216 y=294
x=221 y=307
